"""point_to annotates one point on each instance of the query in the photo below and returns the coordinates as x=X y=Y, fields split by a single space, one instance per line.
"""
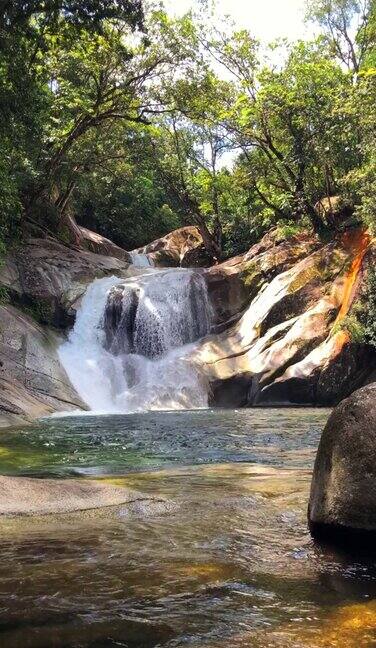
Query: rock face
x=49 y=277
x=100 y=245
x=280 y=335
x=342 y=504
x=278 y=314
x=32 y=381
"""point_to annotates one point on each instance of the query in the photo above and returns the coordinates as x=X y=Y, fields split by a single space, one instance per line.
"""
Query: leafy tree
x=350 y=28
x=125 y=123
x=188 y=165
x=347 y=26
x=31 y=99
x=287 y=124
x=122 y=197
x=16 y=14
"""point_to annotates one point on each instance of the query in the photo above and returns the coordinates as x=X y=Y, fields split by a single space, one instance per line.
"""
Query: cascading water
x=130 y=346
x=141 y=260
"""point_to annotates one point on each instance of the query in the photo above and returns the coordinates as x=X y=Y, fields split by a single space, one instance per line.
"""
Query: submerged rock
x=29 y=496
x=342 y=504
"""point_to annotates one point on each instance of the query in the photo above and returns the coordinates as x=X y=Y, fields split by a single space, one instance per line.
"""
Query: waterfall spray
x=130 y=347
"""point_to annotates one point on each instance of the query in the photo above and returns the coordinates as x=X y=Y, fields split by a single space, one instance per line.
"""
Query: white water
x=140 y=260
x=115 y=370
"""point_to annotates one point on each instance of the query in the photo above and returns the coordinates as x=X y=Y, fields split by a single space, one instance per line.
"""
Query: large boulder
x=235 y=283
x=342 y=506
x=177 y=246
x=335 y=210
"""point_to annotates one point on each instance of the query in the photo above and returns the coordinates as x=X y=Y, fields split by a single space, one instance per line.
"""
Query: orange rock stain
x=357 y=243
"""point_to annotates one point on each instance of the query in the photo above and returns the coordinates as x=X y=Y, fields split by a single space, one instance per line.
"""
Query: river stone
x=30 y=496
x=342 y=504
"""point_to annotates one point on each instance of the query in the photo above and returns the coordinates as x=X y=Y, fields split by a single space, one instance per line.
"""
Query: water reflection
x=230 y=564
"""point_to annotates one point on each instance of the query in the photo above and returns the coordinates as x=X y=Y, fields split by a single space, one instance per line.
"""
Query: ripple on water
x=230 y=563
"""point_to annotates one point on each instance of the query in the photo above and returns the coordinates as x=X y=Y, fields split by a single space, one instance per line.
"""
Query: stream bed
x=229 y=564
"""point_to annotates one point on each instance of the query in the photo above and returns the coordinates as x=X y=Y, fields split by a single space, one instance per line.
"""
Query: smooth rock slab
x=342 y=504
x=29 y=496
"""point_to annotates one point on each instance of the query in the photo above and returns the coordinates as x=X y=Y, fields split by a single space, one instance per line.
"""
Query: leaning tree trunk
x=69 y=229
x=67 y=223
x=302 y=207
x=212 y=242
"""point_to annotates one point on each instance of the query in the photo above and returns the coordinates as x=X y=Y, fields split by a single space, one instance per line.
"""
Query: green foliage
x=338 y=18
x=121 y=121
x=368 y=314
x=127 y=204
x=18 y=13
x=360 y=323
x=289 y=229
x=353 y=327
x=360 y=182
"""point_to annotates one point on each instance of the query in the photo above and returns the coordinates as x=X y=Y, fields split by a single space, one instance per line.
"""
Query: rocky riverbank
x=279 y=318
x=281 y=314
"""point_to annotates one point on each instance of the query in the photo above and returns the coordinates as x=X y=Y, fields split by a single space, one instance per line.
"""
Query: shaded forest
x=119 y=118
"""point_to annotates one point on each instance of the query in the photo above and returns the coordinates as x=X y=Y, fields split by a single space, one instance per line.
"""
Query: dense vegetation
x=123 y=120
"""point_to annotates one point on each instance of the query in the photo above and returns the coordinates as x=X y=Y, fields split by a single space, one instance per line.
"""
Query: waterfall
x=130 y=347
x=141 y=260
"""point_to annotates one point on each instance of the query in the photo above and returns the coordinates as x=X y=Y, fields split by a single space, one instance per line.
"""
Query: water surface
x=229 y=564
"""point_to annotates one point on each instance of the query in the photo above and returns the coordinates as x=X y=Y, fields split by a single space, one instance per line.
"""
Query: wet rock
x=342 y=506
x=99 y=244
x=234 y=392
x=180 y=314
x=32 y=380
x=197 y=257
x=347 y=371
x=29 y=496
x=227 y=290
x=119 y=319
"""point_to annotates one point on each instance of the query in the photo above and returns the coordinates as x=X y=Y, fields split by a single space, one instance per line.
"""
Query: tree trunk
x=212 y=242
x=70 y=230
x=67 y=223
